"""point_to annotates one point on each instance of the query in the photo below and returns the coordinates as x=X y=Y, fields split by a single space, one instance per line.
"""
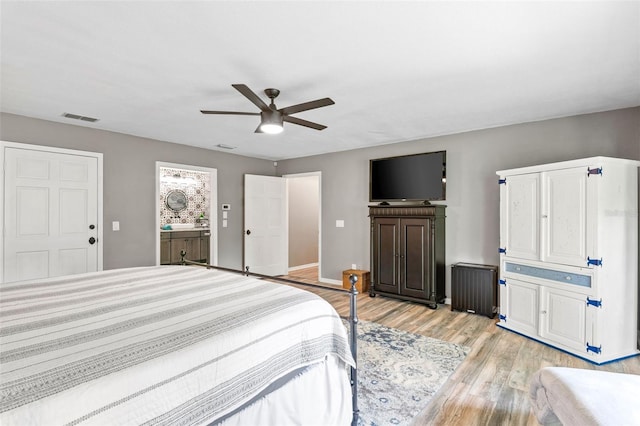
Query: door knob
x=92 y=240
x=248 y=232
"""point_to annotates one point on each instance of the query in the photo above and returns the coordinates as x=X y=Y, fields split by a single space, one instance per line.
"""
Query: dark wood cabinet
x=408 y=252
x=194 y=243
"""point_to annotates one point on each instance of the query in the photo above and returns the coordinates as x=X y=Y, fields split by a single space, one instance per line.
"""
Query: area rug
x=399 y=372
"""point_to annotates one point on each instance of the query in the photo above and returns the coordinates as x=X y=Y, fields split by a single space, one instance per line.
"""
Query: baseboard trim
x=297 y=268
x=330 y=281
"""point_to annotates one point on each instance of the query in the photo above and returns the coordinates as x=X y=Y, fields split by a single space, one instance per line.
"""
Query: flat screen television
x=417 y=177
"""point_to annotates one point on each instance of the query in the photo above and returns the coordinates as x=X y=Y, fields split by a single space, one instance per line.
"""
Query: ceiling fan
x=271 y=118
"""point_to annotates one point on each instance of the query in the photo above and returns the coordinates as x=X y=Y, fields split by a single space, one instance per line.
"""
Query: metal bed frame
x=353 y=320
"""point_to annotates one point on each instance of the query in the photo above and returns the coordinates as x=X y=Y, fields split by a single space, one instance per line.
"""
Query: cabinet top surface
x=591 y=161
x=184 y=230
x=404 y=206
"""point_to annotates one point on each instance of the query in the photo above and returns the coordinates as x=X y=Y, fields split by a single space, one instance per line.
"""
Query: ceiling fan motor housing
x=271 y=93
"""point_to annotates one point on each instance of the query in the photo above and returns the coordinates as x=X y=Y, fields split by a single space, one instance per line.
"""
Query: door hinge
x=596 y=171
x=502 y=181
x=502 y=250
x=595 y=262
x=594 y=349
x=502 y=317
x=593 y=302
x=502 y=282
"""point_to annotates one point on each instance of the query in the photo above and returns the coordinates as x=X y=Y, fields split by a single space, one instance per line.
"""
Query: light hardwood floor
x=491 y=386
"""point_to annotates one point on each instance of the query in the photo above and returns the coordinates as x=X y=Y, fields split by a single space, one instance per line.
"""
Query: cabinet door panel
x=177 y=245
x=193 y=249
x=520 y=216
x=165 y=251
x=386 y=253
x=522 y=306
x=565 y=213
x=190 y=245
x=563 y=317
x=204 y=249
x=414 y=253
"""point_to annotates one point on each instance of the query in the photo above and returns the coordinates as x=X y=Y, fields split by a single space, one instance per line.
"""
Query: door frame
x=308 y=174
x=97 y=155
x=213 y=207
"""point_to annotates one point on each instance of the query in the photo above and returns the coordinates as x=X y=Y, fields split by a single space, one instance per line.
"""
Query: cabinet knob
x=543 y=312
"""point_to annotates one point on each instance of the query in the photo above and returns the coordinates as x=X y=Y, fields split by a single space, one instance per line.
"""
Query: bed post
x=353 y=322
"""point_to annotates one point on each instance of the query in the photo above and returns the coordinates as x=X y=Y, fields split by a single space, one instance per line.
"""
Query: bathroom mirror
x=177 y=200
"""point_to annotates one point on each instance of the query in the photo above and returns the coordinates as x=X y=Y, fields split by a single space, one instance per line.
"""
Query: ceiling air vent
x=80 y=117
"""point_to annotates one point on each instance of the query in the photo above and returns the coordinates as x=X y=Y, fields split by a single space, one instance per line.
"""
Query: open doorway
x=199 y=189
x=304 y=221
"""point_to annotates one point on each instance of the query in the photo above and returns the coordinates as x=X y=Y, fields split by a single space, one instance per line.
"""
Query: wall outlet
x=353 y=266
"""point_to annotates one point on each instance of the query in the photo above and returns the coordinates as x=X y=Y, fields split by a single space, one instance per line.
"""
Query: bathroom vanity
x=195 y=242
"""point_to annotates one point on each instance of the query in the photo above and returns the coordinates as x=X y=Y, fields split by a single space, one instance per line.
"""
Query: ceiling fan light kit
x=272 y=118
x=271 y=122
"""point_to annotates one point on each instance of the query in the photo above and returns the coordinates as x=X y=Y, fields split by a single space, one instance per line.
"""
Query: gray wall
x=130 y=179
x=303 y=194
x=472 y=191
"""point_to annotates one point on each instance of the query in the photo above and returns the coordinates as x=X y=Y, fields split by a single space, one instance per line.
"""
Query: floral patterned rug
x=399 y=372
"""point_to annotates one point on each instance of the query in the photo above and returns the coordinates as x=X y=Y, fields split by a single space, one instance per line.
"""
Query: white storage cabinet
x=569 y=255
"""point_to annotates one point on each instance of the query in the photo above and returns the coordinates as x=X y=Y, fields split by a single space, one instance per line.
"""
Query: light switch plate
x=339 y=223
x=115 y=225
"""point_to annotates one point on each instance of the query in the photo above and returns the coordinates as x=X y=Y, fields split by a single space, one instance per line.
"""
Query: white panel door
x=563 y=317
x=50 y=213
x=520 y=216
x=564 y=210
x=265 y=225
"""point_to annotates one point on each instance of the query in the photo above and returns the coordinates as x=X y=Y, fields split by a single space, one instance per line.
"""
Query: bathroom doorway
x=186 y=201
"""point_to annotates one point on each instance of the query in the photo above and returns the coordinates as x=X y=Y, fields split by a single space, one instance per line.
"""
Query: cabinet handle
x=543 y=312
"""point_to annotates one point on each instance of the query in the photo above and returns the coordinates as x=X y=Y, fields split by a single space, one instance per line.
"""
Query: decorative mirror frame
x=177 y=200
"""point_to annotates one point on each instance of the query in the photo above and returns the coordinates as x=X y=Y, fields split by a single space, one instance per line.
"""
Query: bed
x=574 y=396
x=170 y=345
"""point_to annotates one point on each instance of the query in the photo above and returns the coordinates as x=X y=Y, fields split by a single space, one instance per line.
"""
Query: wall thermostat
x=226 y=207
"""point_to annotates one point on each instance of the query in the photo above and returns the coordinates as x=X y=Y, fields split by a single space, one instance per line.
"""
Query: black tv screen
x=418 y=177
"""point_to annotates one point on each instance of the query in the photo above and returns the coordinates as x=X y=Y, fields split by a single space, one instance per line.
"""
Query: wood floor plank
x=490 y=387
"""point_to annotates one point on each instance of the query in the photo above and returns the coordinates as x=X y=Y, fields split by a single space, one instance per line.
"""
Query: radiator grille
x=474 y=288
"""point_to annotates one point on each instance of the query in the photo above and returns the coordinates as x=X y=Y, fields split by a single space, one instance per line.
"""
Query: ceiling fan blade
x=301 y=122
x=229 y=112
x=249 y=94
x=307 y=106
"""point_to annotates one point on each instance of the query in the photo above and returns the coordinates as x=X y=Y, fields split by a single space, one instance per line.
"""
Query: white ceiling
x=397 y=71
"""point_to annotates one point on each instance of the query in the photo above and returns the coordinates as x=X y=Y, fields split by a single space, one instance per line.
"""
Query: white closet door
x=50 y=213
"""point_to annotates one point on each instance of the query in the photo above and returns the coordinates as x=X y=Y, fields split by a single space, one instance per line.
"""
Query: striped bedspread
x=168 y=345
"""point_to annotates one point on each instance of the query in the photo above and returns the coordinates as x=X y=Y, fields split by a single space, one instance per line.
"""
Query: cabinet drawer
x=185 y=234
x=549 y=274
